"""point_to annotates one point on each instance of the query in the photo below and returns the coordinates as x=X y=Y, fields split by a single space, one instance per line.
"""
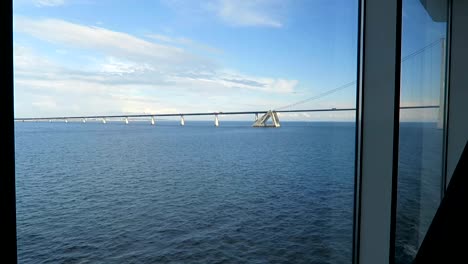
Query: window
x=125 y=163
x=421 y=152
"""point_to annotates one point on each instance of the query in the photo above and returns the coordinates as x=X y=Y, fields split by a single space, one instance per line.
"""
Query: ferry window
x=423 y=88
x=185 y=131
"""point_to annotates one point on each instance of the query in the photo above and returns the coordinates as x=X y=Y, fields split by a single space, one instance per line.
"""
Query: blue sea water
x=134 y=193
x=116 y=193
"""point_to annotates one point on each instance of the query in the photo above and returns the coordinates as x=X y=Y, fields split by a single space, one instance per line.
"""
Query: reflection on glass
x=421 y=123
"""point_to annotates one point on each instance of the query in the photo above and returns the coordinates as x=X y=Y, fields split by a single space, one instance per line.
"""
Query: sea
x=136 y=193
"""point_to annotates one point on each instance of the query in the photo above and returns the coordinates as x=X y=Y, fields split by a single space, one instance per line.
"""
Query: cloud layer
x=237 y=13
x=125 y=73
x=49 y=2
x=249 y=13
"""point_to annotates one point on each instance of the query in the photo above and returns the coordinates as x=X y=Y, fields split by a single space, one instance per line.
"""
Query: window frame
x=377 y=131
x=7 y=177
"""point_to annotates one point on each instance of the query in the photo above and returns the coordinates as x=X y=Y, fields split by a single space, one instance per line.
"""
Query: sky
x=103 y=57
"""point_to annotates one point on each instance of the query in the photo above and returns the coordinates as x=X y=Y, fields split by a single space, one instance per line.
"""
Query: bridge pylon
x=262 y=121
x=182 y=120
x=216 y=122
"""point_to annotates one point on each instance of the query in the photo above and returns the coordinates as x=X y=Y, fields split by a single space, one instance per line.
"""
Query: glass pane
x=421 y=122
x=181 y=187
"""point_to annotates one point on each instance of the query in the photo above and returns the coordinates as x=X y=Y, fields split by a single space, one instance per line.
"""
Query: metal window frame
x=457 y=95
x=444 y=182
x=377 y=131
x=374 y=235
x=8 y=249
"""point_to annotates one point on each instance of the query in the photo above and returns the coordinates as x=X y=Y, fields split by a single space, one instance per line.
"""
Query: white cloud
x=25 y=58
x=241 y=13
x=186 y=42
x=168 y=39
x=113 y=43
x=284 y=86
x=49 y=2
x=45 y=102
x=220 y=80
x=260 y=13
x=116 y=66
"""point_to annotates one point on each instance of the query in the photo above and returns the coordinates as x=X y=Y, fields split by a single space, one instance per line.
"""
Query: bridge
x=258 y=122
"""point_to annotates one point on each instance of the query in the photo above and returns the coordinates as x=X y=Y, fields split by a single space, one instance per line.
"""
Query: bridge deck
x=205 y=113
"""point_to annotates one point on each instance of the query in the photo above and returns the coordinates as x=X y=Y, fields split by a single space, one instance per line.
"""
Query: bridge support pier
x=262 y=121
x=153 y=121
x=182 y=121
x=216 y=122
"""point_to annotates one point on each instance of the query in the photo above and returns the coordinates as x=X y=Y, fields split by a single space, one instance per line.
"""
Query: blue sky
x=84 y=57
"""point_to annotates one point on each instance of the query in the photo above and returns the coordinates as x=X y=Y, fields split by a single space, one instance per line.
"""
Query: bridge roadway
x=204 y=114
